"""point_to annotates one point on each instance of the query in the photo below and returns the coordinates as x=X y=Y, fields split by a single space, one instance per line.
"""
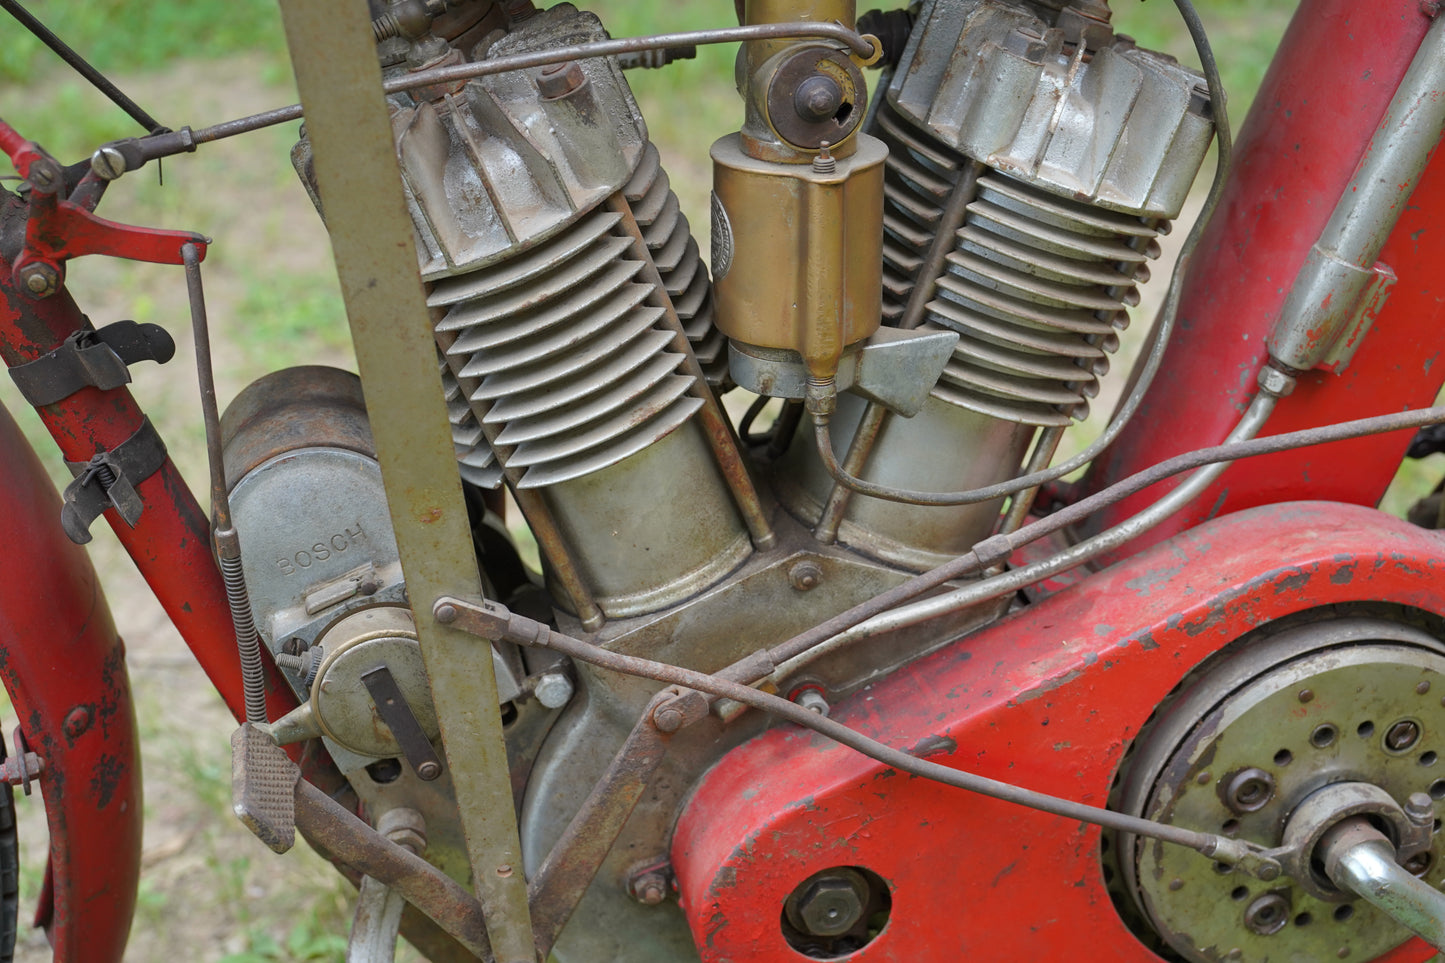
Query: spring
x=675 y=252
x=1037 y=286
x=562 y=366
x=253 y=681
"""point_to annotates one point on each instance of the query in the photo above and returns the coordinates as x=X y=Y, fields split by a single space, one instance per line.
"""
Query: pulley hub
x=1276 y=743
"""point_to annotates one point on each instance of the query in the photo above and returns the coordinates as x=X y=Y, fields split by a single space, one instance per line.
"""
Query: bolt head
x=817 y=98
x=445 y=613
x=559 y=80
x=649 y=889
x=553 y=690
x=107 y=163
x=429 y=770
x=667 y=718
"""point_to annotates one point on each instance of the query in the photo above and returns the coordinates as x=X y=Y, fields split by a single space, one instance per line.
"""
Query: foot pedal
x=263 y=787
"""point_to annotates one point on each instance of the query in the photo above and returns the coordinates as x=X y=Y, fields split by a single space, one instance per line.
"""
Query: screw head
x=1402 y=735
x=559 y=80
x=805 y=575
x=44 y=175
x=429 y=770
x=107 y=163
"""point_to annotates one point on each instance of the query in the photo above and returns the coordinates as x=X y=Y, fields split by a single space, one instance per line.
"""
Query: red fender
x=1046 y=699
x=64 y=668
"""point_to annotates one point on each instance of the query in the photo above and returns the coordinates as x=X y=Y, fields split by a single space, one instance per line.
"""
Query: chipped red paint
x=1321 y=101
x=1046 y=699
x=60 y=659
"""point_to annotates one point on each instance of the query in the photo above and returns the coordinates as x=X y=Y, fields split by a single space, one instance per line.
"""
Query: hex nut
x=41 y=280
x=649 y=889
x=813 y=701
x=559 y=80
x=830 y=906
x=1273 y=381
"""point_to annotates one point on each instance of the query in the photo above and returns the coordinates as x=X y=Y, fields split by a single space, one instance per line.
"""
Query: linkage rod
x=496 y=622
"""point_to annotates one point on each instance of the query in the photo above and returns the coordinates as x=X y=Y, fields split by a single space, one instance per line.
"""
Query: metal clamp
x=92 y=359
x=108 y=480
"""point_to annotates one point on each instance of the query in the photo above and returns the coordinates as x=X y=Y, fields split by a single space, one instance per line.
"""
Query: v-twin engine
x=938 y=276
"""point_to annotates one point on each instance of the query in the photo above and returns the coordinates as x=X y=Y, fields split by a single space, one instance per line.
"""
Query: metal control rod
x=1359 y=859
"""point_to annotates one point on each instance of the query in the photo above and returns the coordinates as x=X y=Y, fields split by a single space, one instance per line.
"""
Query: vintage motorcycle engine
x=1018 y=165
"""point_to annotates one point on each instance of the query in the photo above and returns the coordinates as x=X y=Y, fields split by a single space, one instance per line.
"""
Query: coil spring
x=562 y=367
x=253 y=682
x=678 y=260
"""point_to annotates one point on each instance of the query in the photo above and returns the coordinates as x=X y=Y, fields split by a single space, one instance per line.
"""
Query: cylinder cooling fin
x=1037 y=287
x=563 y=364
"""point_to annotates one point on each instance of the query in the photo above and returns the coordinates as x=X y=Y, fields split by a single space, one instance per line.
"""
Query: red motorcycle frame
x=1336 y=69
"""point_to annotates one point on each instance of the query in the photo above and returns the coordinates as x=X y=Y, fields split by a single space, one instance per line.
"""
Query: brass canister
x=797 y=250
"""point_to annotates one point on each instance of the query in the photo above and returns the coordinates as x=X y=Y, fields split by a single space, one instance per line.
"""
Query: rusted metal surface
x=558 y=885
x=356 y=168
x=341 y=837
x=64 y=669
x=1295 y=148
x=1028 y=704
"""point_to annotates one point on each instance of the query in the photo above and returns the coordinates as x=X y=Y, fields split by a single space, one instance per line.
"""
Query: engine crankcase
x=1048 y=700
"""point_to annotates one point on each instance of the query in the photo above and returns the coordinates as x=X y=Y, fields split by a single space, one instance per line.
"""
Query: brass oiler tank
x=797 y=206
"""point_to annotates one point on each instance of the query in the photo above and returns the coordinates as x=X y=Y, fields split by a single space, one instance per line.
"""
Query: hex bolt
x=829 y=906
x=1268 y=914
x=813 y=701
x=41 y=280
x=404 y=826
x=107 y=163
x=1420 y=809
x=553 y=690
x=1249 y=790
x=804 y=576
x=559 y=80
x=1402 y=735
